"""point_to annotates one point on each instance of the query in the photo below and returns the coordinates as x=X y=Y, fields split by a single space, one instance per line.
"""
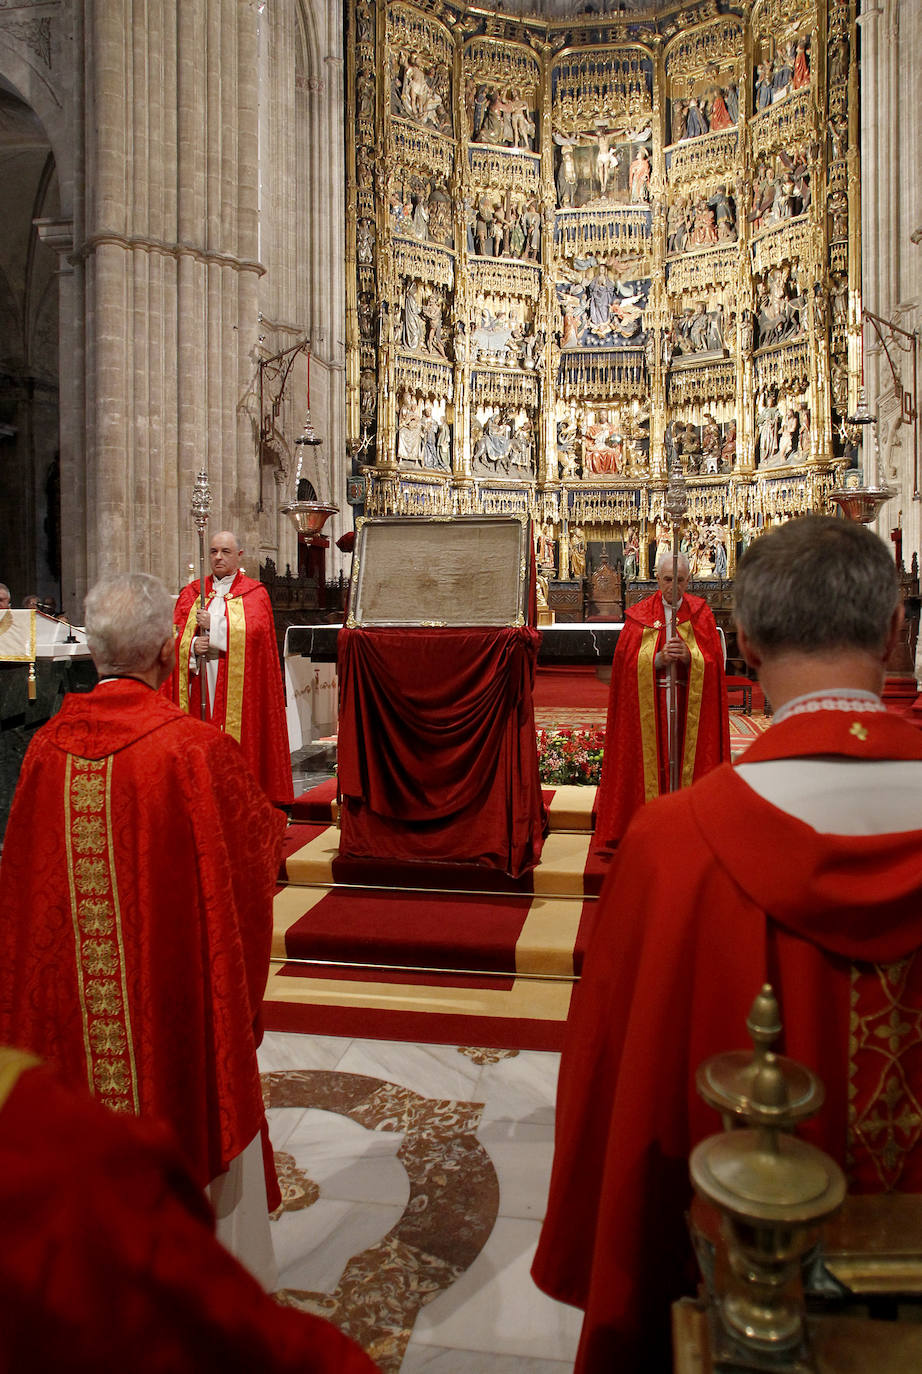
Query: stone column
x=170 y=246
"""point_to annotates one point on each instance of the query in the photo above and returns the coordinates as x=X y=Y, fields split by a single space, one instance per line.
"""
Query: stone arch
x=25 y=71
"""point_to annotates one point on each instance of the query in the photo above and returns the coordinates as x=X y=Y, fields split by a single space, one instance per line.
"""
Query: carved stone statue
x=432 y=311
x=367 y=394
x=577 y=546
x=412 y=317
x=767 y=422
x=410 y=437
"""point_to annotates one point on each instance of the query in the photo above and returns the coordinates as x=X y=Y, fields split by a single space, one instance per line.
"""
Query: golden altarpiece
x=580 y=249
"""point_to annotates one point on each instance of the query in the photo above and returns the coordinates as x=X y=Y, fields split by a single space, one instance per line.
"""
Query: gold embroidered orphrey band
x=236 y=661
x=97 y=924
x=649 y=722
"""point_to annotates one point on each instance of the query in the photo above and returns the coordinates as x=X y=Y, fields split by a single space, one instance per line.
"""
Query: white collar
x=830 y=699
x=222 y=585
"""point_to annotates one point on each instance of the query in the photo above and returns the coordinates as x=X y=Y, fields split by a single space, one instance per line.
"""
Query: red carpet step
x=462 y=932
x=570 y=867
x=442 y=954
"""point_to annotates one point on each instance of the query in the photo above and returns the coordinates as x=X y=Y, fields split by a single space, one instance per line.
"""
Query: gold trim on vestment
x=13 y=1064
x=98 y=946
x=884 y=1110
x=185 y=651
x=693 y=701
x=236 y=665
x=646 y=701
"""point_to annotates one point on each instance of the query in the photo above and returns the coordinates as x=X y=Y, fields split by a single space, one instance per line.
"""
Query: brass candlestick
x=727 y=1081
x=772 y=1191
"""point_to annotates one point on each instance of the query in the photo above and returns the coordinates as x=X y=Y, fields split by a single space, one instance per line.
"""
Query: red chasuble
x=109 y=1260
x=136 y=882
x=249 y=699
x=636 y=765
x=713 y=892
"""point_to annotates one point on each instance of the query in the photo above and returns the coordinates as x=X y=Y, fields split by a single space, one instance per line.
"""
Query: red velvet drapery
x=437 y=752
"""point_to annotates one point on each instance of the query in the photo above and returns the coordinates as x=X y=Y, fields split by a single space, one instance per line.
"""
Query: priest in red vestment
x=801 y=866
x=232 y=642
x=109 y=1260
x=136 y=883
x=654 y=637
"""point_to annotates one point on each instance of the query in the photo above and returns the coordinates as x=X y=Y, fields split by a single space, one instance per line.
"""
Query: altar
x=437 y=758
x=38 y=666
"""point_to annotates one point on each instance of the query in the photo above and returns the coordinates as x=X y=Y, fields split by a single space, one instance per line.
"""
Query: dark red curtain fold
x=437 y=732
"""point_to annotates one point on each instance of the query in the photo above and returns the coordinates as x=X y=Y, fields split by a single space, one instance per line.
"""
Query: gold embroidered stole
x=647 y=704
x=185 y=650
x=236 y=665
x=97 y=924
x=692 y=703
x=236 y=660
x=646 y=701
x=13 y=1063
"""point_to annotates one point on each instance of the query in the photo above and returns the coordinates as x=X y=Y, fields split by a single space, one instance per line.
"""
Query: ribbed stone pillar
x=170 y=248
x=891 y=194
x=302 y=245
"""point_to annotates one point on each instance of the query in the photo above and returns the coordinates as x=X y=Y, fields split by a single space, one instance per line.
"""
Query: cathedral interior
x=521 y=261
x=424 y=257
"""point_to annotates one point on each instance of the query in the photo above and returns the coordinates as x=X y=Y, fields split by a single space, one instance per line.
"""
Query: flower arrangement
x=571 y=756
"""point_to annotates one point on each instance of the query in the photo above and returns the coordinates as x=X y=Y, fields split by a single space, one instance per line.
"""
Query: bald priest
x=669 y=642
x=231 y=644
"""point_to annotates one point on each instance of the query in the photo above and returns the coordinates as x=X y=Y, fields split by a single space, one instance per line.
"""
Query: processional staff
x=676 y=505
x=201 y=510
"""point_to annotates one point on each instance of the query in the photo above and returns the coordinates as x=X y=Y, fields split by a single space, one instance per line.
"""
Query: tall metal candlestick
x=676 y=504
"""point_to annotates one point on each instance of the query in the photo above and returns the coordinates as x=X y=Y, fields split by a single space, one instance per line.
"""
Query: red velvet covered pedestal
x=438 y=757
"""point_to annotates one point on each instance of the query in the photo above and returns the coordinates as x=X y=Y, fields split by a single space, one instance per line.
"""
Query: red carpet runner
x=431 y=953
x=437 y=958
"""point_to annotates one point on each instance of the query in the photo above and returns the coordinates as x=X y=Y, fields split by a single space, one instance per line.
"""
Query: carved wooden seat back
x=605 y=590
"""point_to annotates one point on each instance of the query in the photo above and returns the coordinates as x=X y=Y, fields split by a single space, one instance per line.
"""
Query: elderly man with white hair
x=230 y=645
x=671 y=628
x=136 y=886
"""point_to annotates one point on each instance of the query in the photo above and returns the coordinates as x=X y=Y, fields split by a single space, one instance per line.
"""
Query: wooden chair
x=605 y=592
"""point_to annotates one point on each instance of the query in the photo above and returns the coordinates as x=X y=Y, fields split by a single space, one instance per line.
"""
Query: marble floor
x=414 y=1182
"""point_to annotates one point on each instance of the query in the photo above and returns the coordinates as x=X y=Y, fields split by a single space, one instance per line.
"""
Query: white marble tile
x=493 y=1320
x=520 y=1089
x=280 y=1050
x=522 y=1154
x=430 y=1360
x=313 y=1246
x=283 y=1122
x=436 y=1071
x=345 y=1159
x=496 y=1307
